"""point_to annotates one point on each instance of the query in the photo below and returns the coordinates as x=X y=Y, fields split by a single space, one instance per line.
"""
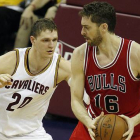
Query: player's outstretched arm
x=8 y=63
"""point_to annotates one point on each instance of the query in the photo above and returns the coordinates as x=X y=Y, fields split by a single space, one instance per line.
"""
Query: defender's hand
x=5 y=79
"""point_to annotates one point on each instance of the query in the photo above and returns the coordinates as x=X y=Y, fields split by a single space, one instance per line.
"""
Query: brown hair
x=100 y=12
x=42 y=25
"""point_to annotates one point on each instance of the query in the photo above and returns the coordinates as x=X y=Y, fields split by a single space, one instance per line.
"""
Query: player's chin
x=50 y=54
x=89 y=43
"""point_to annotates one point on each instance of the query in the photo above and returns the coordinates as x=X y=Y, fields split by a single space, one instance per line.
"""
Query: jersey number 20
x=17 y=96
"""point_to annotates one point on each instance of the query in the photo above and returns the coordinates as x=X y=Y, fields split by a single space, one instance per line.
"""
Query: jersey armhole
x=86 y=58
x=56 y=71
x=17 y=60
x=128 y=62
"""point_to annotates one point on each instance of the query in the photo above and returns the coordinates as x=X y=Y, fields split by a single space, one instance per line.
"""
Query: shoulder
x=64 y=64
x=64 y=71
x=78 y=56
x=80 y=50
x=135 y=50
x=135 y=56
x=8 y=62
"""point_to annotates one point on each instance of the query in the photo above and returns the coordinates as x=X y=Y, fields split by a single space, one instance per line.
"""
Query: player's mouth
x=50 y=51
x=86 y=38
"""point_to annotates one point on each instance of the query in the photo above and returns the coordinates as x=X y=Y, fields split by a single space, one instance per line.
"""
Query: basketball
x=110 y=127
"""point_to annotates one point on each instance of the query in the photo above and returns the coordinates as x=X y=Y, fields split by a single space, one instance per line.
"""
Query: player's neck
x=109 y=45
x=36 y=61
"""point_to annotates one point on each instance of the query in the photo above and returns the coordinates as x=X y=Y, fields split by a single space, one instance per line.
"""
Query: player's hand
x=5 y=79
x=27 y=18
x=130 y=124
x=51 y=12
x=92 y=126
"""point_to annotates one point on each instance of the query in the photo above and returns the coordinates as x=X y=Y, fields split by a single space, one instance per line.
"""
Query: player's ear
x=104 y=27
x=32 y=39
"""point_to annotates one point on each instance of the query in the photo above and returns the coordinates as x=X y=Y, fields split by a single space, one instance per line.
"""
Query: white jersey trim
x=114 y=60
x=128 y=62
x=86 y=58
x=17 y=60
x=26 y=67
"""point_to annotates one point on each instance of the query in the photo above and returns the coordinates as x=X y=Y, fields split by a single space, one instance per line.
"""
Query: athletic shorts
x=81 y=133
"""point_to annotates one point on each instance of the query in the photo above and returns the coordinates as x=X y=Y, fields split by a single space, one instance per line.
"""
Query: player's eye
x=45 y=40
x=54 y=40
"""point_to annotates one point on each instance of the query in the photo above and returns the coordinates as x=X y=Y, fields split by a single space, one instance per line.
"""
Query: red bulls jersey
x=112 y=88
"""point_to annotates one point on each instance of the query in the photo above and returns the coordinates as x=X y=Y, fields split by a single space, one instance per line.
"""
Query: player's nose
x=82 y=32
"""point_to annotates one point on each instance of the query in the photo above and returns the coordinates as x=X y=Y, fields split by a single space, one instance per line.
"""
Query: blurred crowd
x=17 y=18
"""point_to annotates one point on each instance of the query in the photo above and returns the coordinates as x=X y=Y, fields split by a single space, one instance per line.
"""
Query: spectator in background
x=34 y=11
x=52 y=10
x=10 y=12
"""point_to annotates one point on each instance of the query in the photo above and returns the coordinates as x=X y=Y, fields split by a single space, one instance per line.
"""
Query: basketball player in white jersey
x=28 y=78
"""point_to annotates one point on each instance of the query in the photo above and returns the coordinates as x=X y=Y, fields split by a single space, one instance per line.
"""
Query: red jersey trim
x=91 y=112
x=128 y=62
x=115 y=59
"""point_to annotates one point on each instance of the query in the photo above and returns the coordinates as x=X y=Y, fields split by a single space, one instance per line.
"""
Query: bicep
x=77 y=86
x=64 y=72
x=8 y=62
x=77 y=78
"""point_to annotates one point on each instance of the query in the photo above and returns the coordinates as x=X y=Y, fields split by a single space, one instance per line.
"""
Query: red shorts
x=81 y=133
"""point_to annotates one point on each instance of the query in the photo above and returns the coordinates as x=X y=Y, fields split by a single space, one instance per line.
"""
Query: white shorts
x=39 y=134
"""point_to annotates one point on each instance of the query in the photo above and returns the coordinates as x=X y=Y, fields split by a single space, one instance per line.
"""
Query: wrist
x=136 y=119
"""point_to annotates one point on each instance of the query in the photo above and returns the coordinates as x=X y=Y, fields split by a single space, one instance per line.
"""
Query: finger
x=129 y=136
x=102 y=113
x=91 y=132
x=3 y=80
x=97 y=118
x=92 y=137
x=92 y=126
x=8 y=79
x=9 y=83
x=8 y=75
x=127 y=133
x=1 y=84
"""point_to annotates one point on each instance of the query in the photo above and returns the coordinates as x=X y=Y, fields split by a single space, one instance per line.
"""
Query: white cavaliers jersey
x=24 y=103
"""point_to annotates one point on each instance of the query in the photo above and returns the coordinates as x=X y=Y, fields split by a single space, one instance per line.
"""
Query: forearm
x=136 y=119
x=37 y=4
x=80 y=112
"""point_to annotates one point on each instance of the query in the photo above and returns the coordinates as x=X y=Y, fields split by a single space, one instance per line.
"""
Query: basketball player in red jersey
x=108 y=67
